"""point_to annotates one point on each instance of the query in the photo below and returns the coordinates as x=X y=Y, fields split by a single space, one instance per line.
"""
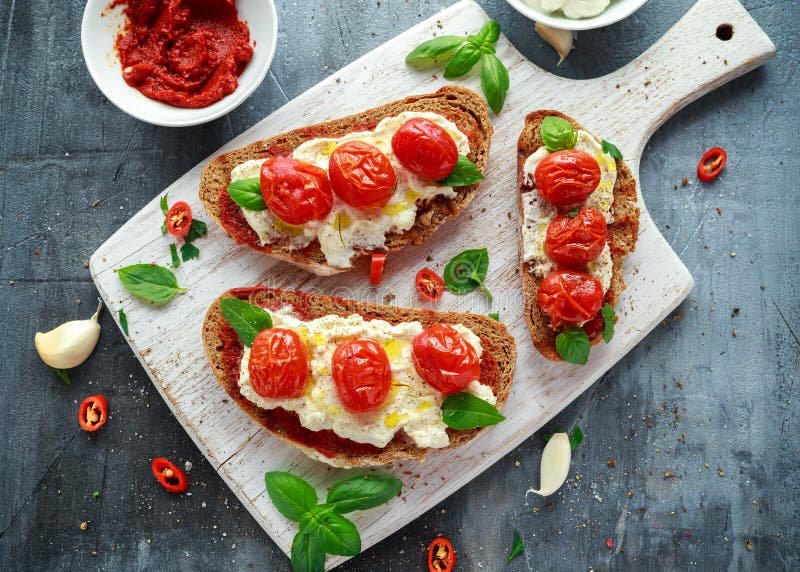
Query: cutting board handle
x=713 y=43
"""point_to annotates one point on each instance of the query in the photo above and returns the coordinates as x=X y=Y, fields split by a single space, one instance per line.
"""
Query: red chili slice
x=376 y=268
x=171 y=477
x=429 y=285
x=711 y=164
x=441 y=556
x=179 y=219
x=92 y=413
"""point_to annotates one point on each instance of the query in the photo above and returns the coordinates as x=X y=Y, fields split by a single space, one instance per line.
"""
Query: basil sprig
x=150 y=282
x=573 y=345
x=247 y=194
x=462 y=411
x=558 y=133
x=612 y=150
x=460 y=54
x=608 y=321
x=464 y=173
x=467 y=271
x=322 y=528
x=123 y=322
x=162 y=202
x=247 y=320
x=517 y=547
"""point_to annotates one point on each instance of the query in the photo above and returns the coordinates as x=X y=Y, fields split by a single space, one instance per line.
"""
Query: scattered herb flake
x=173 y=252
x=517 y=547
x=63 y=375
x=96 y=494
x=495 y=316
x=123 y=321
x=189 y=251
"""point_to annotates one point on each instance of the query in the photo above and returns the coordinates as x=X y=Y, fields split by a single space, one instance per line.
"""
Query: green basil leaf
x=574 y=212
x=363 y=492
x=466 y=271
x=435 y=51
x=495 y=316
x=465 y=411
x=575 y=438
x=573 y=345
x=608 y=322
x=334 y=533
x=96 y=494
x=150 y=282
x=464 y=173
x=189 y=251
x=612 y=150
x=290 y=494
x=173 y=252
x=307 y=556
x=123 y=322
x=466 y=57
x=247 y=194
x=490 y=32
x=517 y=547
x=197 y=230
x=164 y=205
x=494 y=82
x=63 y=375
x=558 y=133
x=246 y=319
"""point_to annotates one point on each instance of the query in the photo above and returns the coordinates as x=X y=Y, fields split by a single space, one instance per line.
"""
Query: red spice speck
x=37 y=251
x=609 y=543
x=688 y=533
x=649 y=424
x=719 y=211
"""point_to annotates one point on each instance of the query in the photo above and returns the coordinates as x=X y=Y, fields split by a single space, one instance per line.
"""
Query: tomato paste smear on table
x=185 y=53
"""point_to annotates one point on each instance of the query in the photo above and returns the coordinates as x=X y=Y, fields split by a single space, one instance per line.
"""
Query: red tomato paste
x=186 y=53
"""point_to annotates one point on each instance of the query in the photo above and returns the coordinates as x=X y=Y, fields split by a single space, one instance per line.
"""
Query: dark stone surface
x=723 y=407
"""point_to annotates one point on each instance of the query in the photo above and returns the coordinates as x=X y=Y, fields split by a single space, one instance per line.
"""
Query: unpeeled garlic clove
x=70 y=344
x=560 y=40
x=556 y=459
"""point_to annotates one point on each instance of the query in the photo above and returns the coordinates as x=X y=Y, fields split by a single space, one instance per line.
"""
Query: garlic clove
x=70 y=344
x=556 y=459
x=560 y=40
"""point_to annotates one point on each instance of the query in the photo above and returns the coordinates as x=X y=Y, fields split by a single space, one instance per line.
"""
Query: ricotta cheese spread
x=538 y=213
x=412 y=406
x=347 y=229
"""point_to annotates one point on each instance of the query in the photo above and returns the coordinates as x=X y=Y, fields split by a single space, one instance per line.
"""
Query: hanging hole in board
x=724 y=32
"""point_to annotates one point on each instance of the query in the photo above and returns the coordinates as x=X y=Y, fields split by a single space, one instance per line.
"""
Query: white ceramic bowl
x=99 y=32
x=616 y=11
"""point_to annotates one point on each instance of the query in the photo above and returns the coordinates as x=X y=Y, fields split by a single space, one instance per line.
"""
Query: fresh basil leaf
x=495 y=316
x=247 y=194
x=464 y=173
x=164 y=205
x=246 y=319
x=363 y=492
x=333 y=532
x=173 y=252
x=307 y=556
x=466 y=271
x=189 y=251
x=608 y=321
x=494 y=82
x=63 y=375
x=517 y=547
x=573 y=345
x=612 y=150
x=435 y=51
x=490 y=32
x=558 y=133
x=123 y=322
x=465 y=411
x=575 y=438
x=291 y=495
x=574 y=212
x=463 y=61
x=197 y=230
x=150 y=282
x=479 y=272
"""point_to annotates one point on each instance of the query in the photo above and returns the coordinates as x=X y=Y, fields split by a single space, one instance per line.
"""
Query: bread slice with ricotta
x=224 y=351
x=622 y=233
x=466 y=109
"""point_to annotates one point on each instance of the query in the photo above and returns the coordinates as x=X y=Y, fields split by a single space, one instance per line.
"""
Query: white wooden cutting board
x=625 y=107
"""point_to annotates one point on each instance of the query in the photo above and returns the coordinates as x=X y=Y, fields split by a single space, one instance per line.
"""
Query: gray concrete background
x=690 y=457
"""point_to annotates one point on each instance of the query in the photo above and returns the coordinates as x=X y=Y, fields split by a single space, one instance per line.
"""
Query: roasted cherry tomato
x=567 y=177
x=92 y=413
x=444 y=359
x=278 y=364
x=575 y=238
x=294 y=191
x=171 y=477
x=362 y=374
x=425 y=148
x=441 y=556
x=361 y=175
x=711 y=164
x=179 y=219
x=376 y=267
x=569 y=297
x=429 y=285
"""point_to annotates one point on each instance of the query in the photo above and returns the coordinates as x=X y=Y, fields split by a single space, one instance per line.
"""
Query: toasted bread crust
x=462 y=106
x=622 y=234
x=219 y=340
